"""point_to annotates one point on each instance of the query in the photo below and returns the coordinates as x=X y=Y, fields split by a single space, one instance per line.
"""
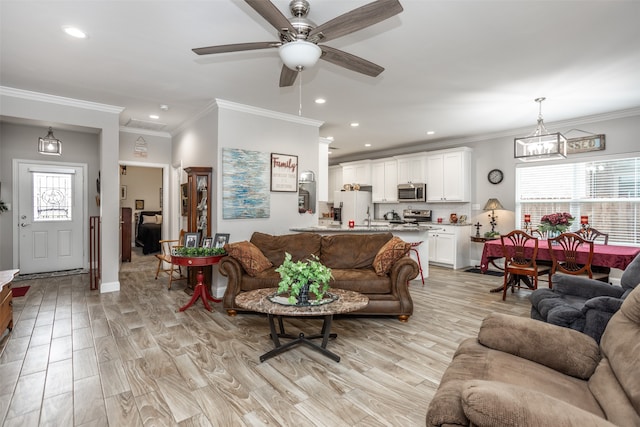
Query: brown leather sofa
x=523 y=372
x=350 y=257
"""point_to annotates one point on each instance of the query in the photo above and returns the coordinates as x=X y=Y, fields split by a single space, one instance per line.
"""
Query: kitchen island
x=408 y=233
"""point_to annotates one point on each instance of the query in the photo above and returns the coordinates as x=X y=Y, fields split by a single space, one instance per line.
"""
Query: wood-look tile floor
x=80 y=358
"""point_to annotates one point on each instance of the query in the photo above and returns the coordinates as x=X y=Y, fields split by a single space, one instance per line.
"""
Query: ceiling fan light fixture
x=299 y=54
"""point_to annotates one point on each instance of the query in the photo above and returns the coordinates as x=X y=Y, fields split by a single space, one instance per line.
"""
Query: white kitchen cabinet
x=411 y=168
x=356 y=172
x=335 y=181
x=384 y=181
x=449 y=246
x=449 y=175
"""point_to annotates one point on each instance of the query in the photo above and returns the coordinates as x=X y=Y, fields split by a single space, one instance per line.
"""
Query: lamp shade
x=299 y=54
x=492 y=204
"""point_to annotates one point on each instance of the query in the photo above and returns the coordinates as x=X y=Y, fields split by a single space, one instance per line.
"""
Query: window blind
x=607 y=191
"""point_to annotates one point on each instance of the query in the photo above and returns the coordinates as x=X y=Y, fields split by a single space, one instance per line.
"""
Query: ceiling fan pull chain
x=300 y=94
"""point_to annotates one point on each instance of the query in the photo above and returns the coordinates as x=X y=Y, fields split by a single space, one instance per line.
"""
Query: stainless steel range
x=416 y=216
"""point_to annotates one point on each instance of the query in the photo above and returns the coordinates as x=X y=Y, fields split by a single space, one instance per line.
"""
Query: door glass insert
x=52 y=196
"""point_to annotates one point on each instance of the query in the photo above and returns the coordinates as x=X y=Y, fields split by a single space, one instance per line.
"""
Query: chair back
x=591 y=234
x=514 y=247
x=570 y=243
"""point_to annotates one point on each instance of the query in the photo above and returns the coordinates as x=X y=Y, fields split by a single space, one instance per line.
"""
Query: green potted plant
x=195 y=252
x=301 y=278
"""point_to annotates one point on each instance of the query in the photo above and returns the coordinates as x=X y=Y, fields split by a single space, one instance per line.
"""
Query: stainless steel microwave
x=412 y=192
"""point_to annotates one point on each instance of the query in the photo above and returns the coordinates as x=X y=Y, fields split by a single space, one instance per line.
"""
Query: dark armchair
x=583 y=304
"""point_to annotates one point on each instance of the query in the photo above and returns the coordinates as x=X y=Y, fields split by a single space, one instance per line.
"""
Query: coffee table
x=257 y=300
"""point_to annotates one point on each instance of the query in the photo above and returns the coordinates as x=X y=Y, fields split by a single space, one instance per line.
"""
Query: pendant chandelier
x=50 y=144
x=541 y=144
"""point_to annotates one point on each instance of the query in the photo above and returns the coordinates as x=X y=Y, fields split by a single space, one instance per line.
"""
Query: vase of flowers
x=303 y=280
x=556 y=223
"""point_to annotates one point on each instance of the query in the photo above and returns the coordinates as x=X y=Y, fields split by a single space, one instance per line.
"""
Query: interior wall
x=20 y=141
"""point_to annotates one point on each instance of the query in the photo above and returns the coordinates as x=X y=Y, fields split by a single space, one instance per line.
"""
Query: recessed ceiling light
x=75 y=32
x=154 y=116
x=329 y=152
x=320 y=101
x=367 y=145
x=330 y=138
x=430 y=132
x=164 y=107
x=355 y=125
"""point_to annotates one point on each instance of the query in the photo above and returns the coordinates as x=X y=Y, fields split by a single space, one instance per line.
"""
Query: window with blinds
x=607 y=191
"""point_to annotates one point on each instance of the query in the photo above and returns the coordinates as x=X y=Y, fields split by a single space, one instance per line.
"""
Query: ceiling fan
x=299 y=37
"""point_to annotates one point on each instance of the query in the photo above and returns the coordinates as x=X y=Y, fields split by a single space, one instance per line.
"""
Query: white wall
x=103 y=119
x=230 y=125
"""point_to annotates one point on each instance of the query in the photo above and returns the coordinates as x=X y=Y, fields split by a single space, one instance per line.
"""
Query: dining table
x=612 y=256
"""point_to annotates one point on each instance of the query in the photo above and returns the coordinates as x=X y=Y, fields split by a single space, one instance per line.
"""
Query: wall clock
x=495 y=176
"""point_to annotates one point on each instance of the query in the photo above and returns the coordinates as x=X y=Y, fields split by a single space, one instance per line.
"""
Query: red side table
x=200 y=290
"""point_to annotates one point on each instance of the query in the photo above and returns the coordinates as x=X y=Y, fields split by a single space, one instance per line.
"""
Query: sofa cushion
x=388 y=254
x=351 y=250
x=363 y=280
x=614 y=402
x=620 y=343
x=300 y=245
x=247 y=254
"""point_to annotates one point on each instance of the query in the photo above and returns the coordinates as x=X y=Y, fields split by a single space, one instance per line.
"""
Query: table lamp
x=584 y=221
x=492 y=205
x=527 y=222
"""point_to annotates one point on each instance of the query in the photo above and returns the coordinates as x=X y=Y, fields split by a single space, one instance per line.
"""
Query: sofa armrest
x=233 y=271
x=584 y=287
x=491 y=403
x=604 y=304
x=565 y=350
x=402 y=271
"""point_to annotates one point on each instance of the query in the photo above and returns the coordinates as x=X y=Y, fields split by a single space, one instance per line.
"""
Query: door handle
x=24 y=224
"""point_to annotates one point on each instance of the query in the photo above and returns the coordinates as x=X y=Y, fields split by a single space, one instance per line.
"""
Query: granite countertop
x=363 y=228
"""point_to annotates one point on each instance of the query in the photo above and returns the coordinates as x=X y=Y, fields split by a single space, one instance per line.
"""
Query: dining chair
x=569 y=245
x=593 y=235
x=518 y=267
x=165 y=257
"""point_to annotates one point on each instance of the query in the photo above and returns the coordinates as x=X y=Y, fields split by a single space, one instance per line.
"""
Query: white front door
x=50 y=217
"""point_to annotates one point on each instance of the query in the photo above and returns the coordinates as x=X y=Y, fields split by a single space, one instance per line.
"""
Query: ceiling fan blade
x=287 y=76
x=350 y=62
x=235 y=47
x=273 y=16
x=357 y=19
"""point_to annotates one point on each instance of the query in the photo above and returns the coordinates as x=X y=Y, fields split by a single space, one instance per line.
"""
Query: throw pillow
x=158 y=219
x=249 y=256
x=392 y=251
x=148 y=219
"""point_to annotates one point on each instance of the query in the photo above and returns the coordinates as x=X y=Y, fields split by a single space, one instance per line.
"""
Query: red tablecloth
x=613 y=256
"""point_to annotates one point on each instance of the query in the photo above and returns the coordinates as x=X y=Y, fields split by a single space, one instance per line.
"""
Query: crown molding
x=60 y=100
x=267 y=113
x=148 y=132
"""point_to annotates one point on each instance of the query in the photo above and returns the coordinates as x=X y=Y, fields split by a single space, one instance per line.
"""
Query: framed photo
x=221 y=239
x=207 y=242
x=284 y=172
x=191 y=240
x=139 y=204
x=123 y=192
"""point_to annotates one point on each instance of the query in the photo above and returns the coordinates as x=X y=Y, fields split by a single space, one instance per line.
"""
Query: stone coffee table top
x=257 y=300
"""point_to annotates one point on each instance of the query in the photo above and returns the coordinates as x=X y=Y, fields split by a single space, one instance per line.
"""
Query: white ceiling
x=457 y=68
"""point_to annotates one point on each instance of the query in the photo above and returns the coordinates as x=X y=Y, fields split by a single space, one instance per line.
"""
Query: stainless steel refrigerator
x=355 y=205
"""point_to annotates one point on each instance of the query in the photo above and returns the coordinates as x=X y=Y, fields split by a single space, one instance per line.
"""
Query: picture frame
x=139 y=204
x=585 y=144
x=123 y=192
x=284 y=172
x=191 y=240
x=207 y=242
x=220 y=240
